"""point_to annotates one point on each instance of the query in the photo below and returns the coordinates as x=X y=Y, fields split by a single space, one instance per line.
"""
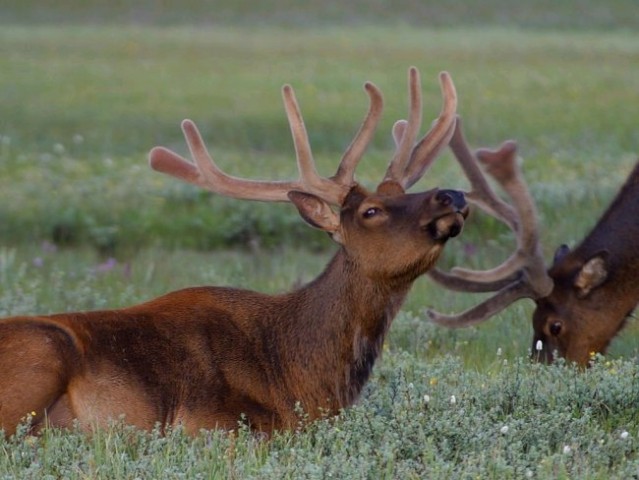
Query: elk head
x=388 y=231
x=595 y=288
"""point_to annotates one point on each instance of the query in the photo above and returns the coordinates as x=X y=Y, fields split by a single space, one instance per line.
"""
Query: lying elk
x=583 y=299
x=206 y=357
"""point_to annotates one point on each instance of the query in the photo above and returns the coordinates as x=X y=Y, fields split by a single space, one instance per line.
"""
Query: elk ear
x=592 y=274
x=317 y=213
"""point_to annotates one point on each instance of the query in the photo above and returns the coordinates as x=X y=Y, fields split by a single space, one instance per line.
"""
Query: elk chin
x=446 y=226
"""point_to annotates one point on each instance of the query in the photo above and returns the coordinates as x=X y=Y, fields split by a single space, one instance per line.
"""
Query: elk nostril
x=451 y=197
x=444 y=198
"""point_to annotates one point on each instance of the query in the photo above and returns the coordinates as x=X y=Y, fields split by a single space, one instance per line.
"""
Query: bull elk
x=583 y=299
x=206 y=357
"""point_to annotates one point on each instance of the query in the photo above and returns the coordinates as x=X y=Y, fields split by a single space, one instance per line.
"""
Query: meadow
x=85 y=224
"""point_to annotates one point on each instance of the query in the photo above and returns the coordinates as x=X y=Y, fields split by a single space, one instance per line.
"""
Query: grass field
x=85 y=92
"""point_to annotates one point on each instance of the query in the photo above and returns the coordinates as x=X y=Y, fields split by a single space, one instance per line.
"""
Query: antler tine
x=509 y=176
x=481 y=194
x=353 y=154
x=329 y=190
x=457 y=283
x=205 y=173
x=479 y=313
x=398 y=164
x=439 y=135
x=523 y=274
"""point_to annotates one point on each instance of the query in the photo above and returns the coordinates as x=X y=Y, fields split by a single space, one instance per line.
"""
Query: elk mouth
x=447 y=226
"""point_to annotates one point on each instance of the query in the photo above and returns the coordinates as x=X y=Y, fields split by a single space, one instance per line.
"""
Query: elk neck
x=338 y=329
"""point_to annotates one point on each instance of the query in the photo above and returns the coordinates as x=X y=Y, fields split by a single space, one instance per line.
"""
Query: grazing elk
x=595 y=285
x=205 y=357
x=583 y=299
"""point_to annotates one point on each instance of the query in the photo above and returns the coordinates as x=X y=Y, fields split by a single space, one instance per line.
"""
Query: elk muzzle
x=454 y=212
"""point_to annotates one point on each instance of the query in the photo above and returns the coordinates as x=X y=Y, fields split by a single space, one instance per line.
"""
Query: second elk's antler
x=523 y=274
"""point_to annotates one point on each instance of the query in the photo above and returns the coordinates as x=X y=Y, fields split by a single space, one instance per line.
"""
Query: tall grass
x=84 y=224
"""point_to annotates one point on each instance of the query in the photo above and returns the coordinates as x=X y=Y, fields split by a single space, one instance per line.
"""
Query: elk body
x=583 y=299
x=206 y=357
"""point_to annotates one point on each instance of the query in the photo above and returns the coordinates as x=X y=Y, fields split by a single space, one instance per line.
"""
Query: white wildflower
x=426 y=398
x=539 y=346
x=624 y=435
x=499 y=352
x=78 y=139
x=529 y=473
x=504 y=430
x=453 y=400
x=567 y=450
x=58 y=148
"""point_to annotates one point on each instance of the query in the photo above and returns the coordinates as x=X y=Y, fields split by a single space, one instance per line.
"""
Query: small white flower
x=539 y=346
x=78 y=139
x=411 y=386
x=624 y=435
x=453 y=400
x=499 y=352
x=58 y=148
x=567 y=450
x=426 y=398
x=529 y=473
x=504 y=430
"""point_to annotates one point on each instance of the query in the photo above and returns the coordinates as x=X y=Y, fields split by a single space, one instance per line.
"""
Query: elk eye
x=555 y=329
x=371 y=212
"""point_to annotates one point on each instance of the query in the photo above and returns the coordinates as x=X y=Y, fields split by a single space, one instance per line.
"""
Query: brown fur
x=595 y=285
x=205 y=357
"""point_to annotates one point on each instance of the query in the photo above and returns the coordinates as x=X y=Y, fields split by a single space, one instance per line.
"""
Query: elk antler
x=411 y=160
x=205 y=172
x=523 y=274
x=406 y=167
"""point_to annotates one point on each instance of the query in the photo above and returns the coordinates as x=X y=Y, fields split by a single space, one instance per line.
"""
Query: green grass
x=84 y=94
x=83 y=105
